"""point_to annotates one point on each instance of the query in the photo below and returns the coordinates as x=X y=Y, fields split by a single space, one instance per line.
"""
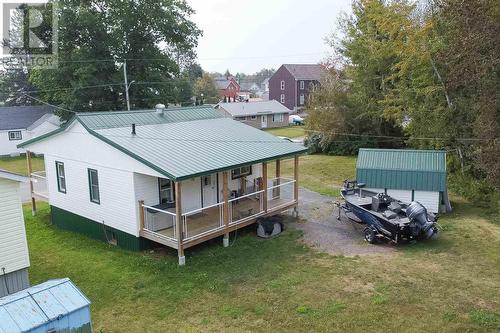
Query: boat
x=385 y=217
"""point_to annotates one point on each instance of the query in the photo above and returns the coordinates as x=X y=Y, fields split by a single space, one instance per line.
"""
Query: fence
x=160 y=222
x=280 y=192
x=39 y=181
x=245 y=207
x=203 y=221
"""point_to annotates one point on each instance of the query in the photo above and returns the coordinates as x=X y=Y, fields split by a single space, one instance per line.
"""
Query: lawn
x=18 y=164
x=289 y=132
x=448 y=285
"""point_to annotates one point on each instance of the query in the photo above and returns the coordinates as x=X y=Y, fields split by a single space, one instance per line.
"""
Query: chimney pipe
x=133 y=129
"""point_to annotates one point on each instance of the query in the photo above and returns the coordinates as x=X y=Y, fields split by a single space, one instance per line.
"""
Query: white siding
x=8 y=147
x=191 y=195
x=430 y=200
x=118 y=206
x=146 y=188
x=402 y=195
x=13 y=245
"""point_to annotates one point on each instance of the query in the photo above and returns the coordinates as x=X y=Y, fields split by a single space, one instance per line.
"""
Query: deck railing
x=39 y=181
x=160 y=222
x=246 y=207
x=203 y=221
x=280 y=192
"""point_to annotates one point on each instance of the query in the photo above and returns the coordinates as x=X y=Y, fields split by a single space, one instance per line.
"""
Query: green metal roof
x=184 y=142
x=423 y=170
x=100 y=120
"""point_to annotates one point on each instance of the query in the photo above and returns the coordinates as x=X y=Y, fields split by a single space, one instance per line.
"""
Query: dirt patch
x=325 y=233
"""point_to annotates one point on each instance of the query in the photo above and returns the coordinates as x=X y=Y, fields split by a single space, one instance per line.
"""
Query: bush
x=478 y=191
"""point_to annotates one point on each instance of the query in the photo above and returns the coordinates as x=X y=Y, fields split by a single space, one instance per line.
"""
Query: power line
x=43 y=102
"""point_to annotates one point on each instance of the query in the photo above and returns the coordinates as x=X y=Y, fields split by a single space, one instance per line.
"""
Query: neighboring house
x=265 y=85
x=291 y=84
x=14 y=258
x=407 y=175
x=21 y=123
x=176 y=177
x=264 y=114
x=228 y=87
x=250 y=88
x=55 y=306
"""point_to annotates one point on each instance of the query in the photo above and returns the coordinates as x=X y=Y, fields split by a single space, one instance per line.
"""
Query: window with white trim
x=302 y=85
x=166 y=191
x=302 y=99
x=282 y=99
x=61 y=177
x=241 y=172
x=278 y=118
x=253 y=117
x=94 y=186
x=282 y=85
x=15 y=135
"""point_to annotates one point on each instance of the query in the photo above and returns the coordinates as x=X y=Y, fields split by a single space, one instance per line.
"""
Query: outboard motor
x=418 y=215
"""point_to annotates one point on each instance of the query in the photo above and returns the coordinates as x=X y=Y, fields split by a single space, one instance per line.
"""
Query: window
x=278 y=118
x=253 y=117
x=94 y=186
x=61 y=177
x=302 y=99
x=166 y=191
x=282 y=99
x=302 y=85
x=241 y=172
x=15 y=135
x=282 y=85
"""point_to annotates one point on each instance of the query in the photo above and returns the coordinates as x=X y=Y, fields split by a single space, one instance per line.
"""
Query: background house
x=228 y=87
x=264 y=114
x=407 y=175
x=14 y=258
x=21 y=123
x=291 y=84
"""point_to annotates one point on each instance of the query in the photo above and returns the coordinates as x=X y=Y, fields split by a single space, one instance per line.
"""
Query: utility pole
x=126 y=83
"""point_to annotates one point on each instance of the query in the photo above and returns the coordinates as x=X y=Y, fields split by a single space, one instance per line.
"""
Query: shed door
x=263 y=121
x=430 y=200
x=402 y=195
x=209 y=188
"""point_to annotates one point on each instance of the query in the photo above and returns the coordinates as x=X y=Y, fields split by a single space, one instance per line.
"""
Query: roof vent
x=160 y=108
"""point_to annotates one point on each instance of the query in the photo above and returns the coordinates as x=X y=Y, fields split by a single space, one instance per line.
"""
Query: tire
x=370 y=236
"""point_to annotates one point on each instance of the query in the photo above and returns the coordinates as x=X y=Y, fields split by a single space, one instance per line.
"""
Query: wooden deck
x=206 y=225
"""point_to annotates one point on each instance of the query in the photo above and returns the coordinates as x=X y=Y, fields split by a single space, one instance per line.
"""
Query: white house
x=21 y=123
x=177 y=177
x=261 y=114
x=14 y=258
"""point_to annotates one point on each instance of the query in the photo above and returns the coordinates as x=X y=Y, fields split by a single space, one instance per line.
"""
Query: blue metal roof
x=31 y=308
x=21 y=117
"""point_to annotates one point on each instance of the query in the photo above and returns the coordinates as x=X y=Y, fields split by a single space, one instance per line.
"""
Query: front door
x=209 y=190
x=263 y=121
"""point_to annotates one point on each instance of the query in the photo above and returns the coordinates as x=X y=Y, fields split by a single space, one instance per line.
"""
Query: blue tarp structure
x=54 y=306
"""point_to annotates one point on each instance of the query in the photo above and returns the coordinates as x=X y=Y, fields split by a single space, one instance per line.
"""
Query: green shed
x=408 y=175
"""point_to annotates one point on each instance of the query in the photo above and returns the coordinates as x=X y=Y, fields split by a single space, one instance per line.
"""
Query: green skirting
x=76 y=223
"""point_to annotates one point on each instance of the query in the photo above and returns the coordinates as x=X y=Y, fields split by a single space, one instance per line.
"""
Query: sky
x=246 y=36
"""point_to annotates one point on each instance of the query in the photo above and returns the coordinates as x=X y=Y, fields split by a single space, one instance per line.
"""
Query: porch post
x=141 y=214
x=30 y=171
x=296 y=184
x=178 y=224
x=264 y=186
x=277 y=191
x=225 y=213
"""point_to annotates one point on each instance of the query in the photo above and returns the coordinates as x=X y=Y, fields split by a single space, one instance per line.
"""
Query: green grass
x=290 y=131
x=18 y=164
x=320 y=173
x=448 y=285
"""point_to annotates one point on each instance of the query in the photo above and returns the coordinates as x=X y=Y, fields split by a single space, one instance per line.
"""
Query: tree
x=95 y=37
x=206 y=86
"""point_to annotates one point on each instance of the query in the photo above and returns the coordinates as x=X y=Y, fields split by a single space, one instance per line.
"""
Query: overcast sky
x=246 y=36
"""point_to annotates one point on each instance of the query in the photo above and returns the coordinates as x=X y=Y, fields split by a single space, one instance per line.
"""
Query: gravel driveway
x=325 y=233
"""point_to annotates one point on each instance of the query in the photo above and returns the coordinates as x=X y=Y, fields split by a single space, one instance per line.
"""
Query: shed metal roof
x=423 y=170
x=21 y=117
x=37 y=305
x=305 y=71
x=254 y=108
